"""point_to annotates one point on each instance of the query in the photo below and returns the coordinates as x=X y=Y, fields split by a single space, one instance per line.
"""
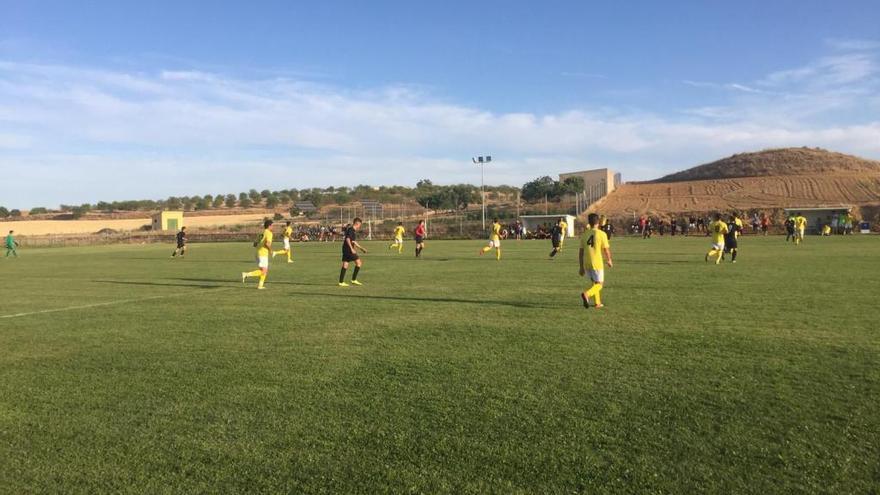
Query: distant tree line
x=425 y=193
x=552 y=190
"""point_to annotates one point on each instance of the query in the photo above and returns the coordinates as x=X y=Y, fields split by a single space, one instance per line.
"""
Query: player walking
x=264 y=250
x=556 y=238
x=800 y=226
x=717 y=229
x=398 y=238
x=419 y=234
x=181 y=243
x=594 y=243
x=11 y=244
x=286 y=235
x=494 y=240
x=350 y=249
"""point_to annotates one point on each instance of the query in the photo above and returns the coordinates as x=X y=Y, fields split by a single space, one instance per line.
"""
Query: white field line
x=100 y=304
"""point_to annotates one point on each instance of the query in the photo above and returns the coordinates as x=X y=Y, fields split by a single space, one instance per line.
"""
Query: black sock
x=733 y=254
x=553 y=253
x=354 y=274
x=342 y=275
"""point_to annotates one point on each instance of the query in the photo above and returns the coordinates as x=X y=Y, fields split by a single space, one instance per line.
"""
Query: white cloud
x=89 y=134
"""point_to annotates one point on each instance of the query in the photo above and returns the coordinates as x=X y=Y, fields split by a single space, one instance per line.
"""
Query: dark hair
x=798 y=213
x=183 y=228
x=288 y=222
x=421 y=221
x=356 y=220
x=267 y=223
x=495 y=219
x=718 y=216
x=592 y=219
x=399 y=223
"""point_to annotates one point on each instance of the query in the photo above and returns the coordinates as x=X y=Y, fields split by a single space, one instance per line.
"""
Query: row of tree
x=427 y=194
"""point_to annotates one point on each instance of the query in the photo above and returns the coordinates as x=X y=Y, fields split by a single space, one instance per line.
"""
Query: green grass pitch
x=450 y=374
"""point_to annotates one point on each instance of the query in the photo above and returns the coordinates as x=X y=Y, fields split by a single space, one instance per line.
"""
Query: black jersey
x=181 y=238
x=350 y=234
x=733 y=230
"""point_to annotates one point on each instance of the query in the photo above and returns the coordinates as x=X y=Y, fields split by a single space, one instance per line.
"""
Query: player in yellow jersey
x=494 y=240
x=398 y=238
x=564 y=225
x=800 y=226
x=718 y=229
x=595 y=245
x=264 y=251
x=285 y=236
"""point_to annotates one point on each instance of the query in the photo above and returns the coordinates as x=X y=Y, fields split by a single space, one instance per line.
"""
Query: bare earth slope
x=769 y=180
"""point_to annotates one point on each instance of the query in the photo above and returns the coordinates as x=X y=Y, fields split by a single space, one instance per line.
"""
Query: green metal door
x=172 y=224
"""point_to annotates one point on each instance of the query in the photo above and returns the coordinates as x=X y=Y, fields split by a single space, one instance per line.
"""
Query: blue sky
x=116 y=100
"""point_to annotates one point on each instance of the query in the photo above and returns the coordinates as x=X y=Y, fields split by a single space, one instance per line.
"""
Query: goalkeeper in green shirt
x=11 y=244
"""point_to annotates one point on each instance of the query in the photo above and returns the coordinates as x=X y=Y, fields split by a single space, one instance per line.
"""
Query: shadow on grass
x=350 y=295
x=160 y=284
x=268 y=281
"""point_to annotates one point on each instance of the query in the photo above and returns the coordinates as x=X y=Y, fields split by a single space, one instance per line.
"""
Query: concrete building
x=598 y=183
x=817 y=217
x=168 y=220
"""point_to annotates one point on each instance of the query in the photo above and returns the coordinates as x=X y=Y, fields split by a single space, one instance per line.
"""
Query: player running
x=264 y=250
x=11 y=245
x=398 y=238
x=594 y=242
x=181 y=243
x=564 y=226
x=731 y=238
x=800 y=226
x=286 y=235
x=494 y=240
x=350 y=249
x=717 y=229
x=556 y=238
x=419 y=234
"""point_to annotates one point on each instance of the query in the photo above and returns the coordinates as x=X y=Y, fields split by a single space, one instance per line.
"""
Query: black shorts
x=555 y=242
x=729 y=244
x=348 y=256
x=180 y=246
x=419 y=239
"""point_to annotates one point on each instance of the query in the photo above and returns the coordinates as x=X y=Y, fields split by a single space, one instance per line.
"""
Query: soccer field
x=124 y=370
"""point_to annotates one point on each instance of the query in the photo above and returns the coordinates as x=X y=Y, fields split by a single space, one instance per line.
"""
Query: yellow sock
x=399 y=248
x=593 y=291
x=255 y=273
x=262 y=280
x=718 y=257
x=498 y=254
x=599 y=296
x=487 y=249
x=289 y=256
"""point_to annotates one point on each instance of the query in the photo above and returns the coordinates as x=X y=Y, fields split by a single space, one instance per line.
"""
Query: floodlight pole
x=481 y=161
x=483 y=193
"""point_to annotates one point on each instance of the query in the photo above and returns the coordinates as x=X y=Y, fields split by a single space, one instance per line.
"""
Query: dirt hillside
x=766 y=180
x=777 y=162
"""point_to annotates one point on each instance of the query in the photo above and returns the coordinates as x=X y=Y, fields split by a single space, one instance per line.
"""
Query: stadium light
x=482 y=160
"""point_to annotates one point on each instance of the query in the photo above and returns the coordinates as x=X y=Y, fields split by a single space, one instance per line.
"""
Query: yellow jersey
x=718 y=229
x=398 y=232
x=262 y=250
x=593 y=241
x=800 y=222
x=564 y=226
x=288 y=232
x=496 y=231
